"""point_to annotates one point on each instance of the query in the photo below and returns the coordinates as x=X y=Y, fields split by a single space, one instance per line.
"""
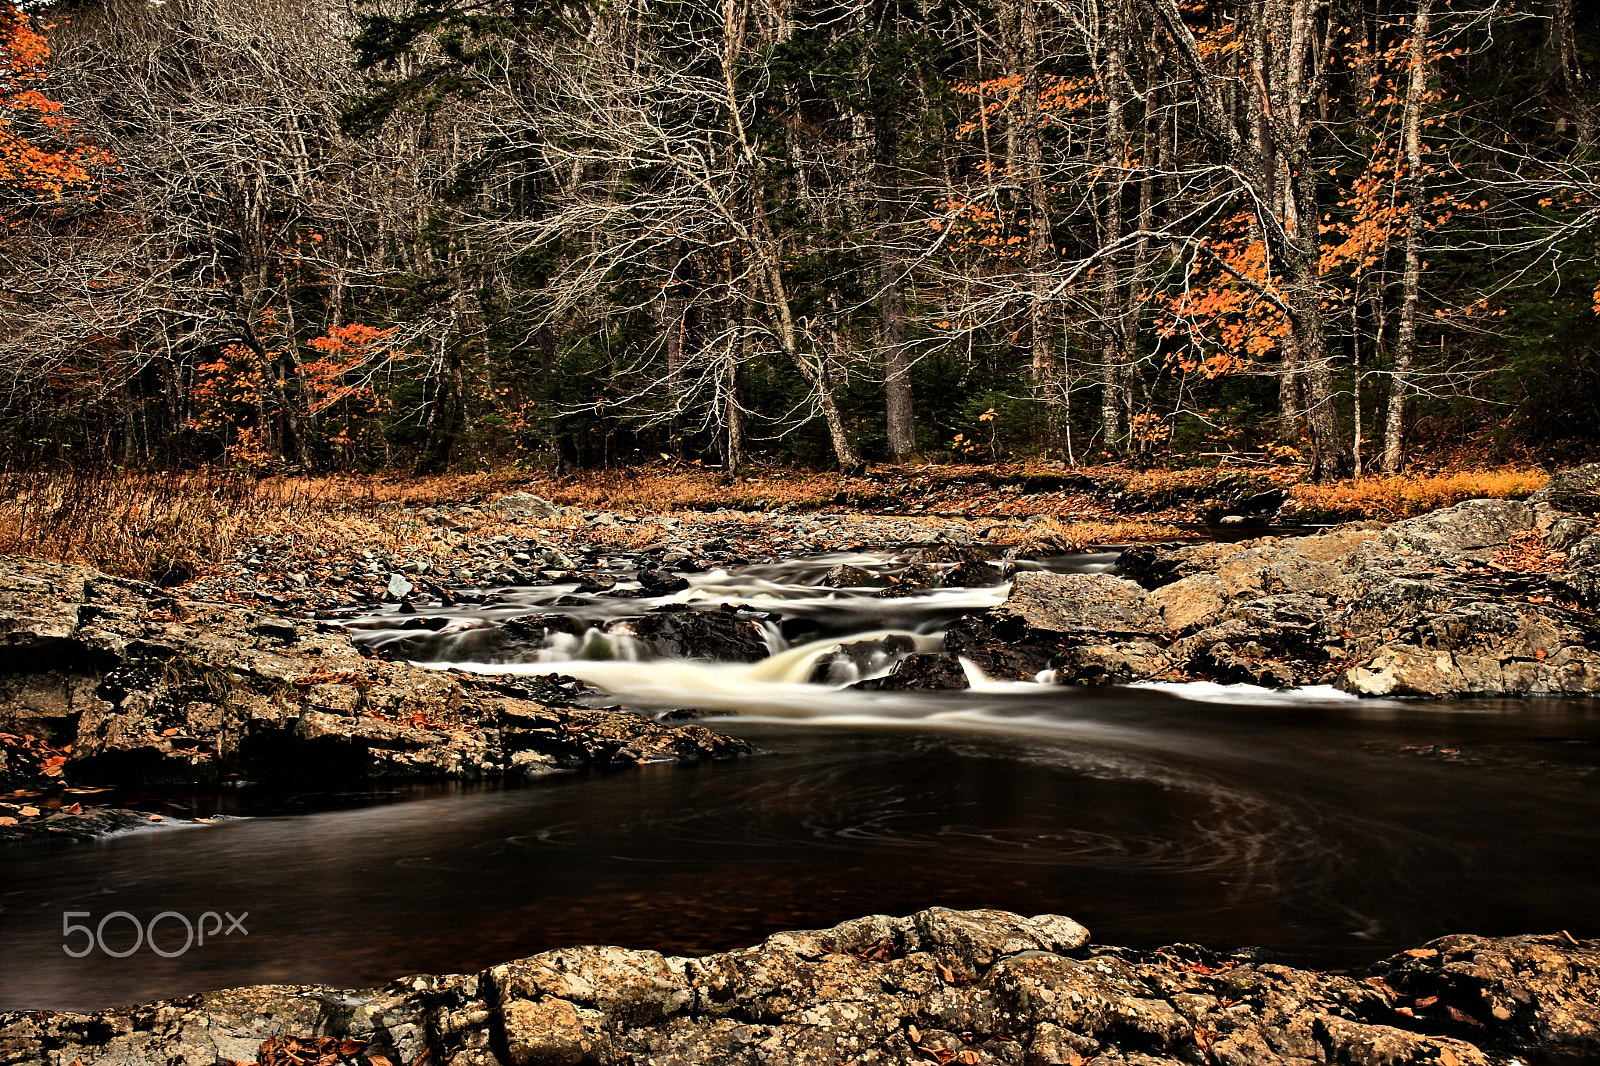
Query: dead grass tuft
x=1055 y=535
x=1404 y=495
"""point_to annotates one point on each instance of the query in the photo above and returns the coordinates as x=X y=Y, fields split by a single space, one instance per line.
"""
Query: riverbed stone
x=919 y=672
x=940 y=985
x=845 y=576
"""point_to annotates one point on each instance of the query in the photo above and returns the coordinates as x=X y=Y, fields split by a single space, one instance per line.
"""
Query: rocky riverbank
x=940 y=986
x=1486 y=598
x=109 y=682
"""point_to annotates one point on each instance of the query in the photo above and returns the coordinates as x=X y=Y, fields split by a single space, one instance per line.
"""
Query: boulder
x=978 y=986
x=661 y=582
x=1581 y=580
x=973 y=575
x=1575 y=491
x=524 y=505
x=1413 y=637
x=935 y=554
x=1469 y=531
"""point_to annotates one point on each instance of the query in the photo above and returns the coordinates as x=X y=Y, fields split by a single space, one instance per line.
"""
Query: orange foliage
x=1232 y=323
x=36 y=169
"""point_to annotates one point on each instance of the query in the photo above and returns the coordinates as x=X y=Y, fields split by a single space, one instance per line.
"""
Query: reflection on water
x=1331 y=830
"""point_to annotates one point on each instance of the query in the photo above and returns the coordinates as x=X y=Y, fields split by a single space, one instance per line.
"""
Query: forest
x=434 y=235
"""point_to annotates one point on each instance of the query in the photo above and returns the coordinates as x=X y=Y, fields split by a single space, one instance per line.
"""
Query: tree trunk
x=892 y=300
x=1116 y=153
x=1041 y=252
x=1405 y=345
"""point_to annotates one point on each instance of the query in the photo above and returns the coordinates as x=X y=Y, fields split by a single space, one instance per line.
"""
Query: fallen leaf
x=1464 y=1018
x=8 y=821
x=76 y=808
x=169 y=732
x=28 y=812
x=914 y=1034
x=1421 y=953
x=1448 y=1057
x=1430 y=1001
x=157 y=818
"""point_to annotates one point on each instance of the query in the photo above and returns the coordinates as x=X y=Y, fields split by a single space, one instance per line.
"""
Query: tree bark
x=1405 y=344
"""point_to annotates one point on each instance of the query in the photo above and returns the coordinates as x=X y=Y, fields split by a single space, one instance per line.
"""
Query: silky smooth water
x=1329 y=829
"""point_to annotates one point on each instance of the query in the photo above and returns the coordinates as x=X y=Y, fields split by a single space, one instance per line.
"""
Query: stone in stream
x=973 y=574
x=661 y=583
x=845 y=576
x=399 y=588
x=919 y=672
x=849 y=661
x=946 y=986
x=727 y=635
x=950 y=553
x=597 y=582
x=917 y=577
x=1092 y=627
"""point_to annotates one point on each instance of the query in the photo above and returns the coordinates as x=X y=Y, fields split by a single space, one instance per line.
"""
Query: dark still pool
x=1331 y=830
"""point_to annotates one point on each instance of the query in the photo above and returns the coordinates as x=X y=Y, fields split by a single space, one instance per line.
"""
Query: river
x=1328 y=829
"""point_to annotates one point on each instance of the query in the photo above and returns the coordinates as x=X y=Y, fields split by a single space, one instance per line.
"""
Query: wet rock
x=845 y=576
x=948 y=986
x=596 y=583
x=850 y=661
x=973 y=575
x=917 y=577
x=919 y=672
x=524 y=505
x=950 y=553
x=661 y=583
x=726 y=635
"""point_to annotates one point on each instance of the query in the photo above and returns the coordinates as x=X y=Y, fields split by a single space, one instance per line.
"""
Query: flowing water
x=1330 y=829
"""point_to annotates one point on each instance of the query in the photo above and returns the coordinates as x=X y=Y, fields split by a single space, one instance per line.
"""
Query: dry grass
x=662 y=490
x=1404 y=495
x=172 y=528
x=162 y=528
x=1054 y=534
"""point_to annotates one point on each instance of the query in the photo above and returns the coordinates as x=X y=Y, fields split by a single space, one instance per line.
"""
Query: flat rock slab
x=941 y=986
